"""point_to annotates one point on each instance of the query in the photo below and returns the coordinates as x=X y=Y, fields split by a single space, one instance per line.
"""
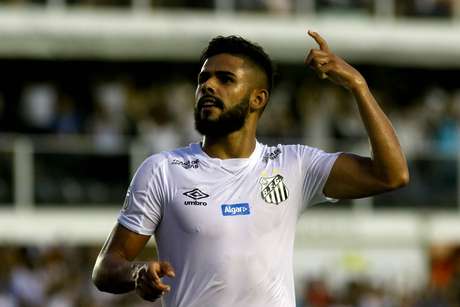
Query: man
x=224 y=211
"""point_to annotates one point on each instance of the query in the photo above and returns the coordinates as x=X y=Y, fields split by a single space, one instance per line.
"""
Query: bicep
x=353 y=176
x=124 y=243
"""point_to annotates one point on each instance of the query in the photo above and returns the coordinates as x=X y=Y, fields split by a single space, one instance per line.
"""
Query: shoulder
x=183 y=156
x=156 y=167
x=287 y=151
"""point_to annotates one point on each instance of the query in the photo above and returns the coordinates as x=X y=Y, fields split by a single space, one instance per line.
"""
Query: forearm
x=388 y=160
x=114 y=274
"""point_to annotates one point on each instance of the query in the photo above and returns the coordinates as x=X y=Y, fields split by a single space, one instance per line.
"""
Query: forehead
x=225 y=62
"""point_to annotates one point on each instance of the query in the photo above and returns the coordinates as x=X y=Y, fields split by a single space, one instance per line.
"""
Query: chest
x=234 y=206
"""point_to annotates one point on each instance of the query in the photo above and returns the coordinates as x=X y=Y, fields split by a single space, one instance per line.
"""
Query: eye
x=202 y=78
x=226 y=79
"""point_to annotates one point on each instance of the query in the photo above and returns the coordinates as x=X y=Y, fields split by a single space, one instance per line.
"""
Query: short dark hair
x=237 y=45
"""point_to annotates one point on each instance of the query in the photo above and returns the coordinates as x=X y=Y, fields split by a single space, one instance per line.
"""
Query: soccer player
x=224 y=211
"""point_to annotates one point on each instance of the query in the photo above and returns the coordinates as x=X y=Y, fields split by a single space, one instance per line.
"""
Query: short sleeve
x=317 y=166
x=142 y=208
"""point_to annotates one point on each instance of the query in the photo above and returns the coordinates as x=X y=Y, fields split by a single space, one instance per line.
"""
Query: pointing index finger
x=321 y=41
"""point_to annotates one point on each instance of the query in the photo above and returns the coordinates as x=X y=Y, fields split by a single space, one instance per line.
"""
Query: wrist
x=358 y=85
x=136 y=270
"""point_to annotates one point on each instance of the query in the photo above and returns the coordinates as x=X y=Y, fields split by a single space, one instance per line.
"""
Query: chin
x=209 y=116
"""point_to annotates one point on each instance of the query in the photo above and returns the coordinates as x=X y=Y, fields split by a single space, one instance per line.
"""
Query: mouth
x=208 y=102
x=207 y=106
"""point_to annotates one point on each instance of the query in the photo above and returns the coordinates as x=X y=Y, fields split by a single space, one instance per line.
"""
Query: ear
x=258 y=100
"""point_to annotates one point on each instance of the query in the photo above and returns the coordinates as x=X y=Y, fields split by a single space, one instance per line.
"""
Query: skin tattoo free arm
x=116 y=271
x=353 y=176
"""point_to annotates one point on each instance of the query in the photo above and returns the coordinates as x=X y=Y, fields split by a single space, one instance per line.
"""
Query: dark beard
x=229 y=121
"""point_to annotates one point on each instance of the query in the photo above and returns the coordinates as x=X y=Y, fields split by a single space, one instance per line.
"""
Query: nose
x=207 y=87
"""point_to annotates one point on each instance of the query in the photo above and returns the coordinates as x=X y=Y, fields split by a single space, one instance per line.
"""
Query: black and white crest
x=274 y=191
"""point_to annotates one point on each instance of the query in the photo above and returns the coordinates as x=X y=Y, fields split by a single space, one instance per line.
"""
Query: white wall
x=72 y=33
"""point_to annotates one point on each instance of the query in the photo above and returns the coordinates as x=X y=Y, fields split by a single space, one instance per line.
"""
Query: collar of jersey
x=230 y=165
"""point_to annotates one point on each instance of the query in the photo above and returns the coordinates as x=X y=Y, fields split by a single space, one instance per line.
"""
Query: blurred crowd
x=95 y=117
x=441 y=289
x=159 y=114
x=364 y=293
x=60 y=276
x=403 y=8
x=156 y=108
x=54 y=276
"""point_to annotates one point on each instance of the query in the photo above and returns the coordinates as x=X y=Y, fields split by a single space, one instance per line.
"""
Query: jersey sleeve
x=316 y=167
x=143 y=205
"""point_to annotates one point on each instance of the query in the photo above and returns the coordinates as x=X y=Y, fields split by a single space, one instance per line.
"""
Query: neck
x=238 y=144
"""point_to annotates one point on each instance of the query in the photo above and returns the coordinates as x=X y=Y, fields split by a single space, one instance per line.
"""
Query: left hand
x=327 y=65
x=148 y=283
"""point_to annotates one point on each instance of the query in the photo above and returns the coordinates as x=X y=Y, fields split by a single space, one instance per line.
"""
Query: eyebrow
x=224 y=72
x=218 y=72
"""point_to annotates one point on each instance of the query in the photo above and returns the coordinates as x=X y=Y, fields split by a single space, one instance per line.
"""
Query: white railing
x=24 y=150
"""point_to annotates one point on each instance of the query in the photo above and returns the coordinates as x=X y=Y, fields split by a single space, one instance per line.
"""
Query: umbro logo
x=196 y=195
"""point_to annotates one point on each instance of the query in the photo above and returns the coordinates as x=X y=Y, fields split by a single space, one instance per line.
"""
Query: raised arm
x=353 y=176
x=116 y=271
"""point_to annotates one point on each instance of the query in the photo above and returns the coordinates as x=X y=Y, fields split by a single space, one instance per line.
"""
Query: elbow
x=106 y=276
x=99 y=280
x=400 y=180
x=101 y=284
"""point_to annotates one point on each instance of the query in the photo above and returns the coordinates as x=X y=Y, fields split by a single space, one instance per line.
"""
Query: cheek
x=242 y=93
x=197 y=93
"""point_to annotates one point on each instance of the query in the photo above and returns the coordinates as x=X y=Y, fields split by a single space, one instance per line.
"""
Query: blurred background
x=90 y=88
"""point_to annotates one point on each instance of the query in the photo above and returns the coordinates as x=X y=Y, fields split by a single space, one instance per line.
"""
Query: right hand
x=328 y=65
x=148 y=283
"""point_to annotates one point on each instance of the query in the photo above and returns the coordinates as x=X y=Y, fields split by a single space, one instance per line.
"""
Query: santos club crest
x=274 y=191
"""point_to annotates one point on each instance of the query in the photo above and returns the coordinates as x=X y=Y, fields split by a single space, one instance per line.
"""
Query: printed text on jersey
x=235 y=209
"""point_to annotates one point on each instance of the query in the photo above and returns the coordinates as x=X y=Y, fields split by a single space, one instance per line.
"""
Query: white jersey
x=227 y=226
